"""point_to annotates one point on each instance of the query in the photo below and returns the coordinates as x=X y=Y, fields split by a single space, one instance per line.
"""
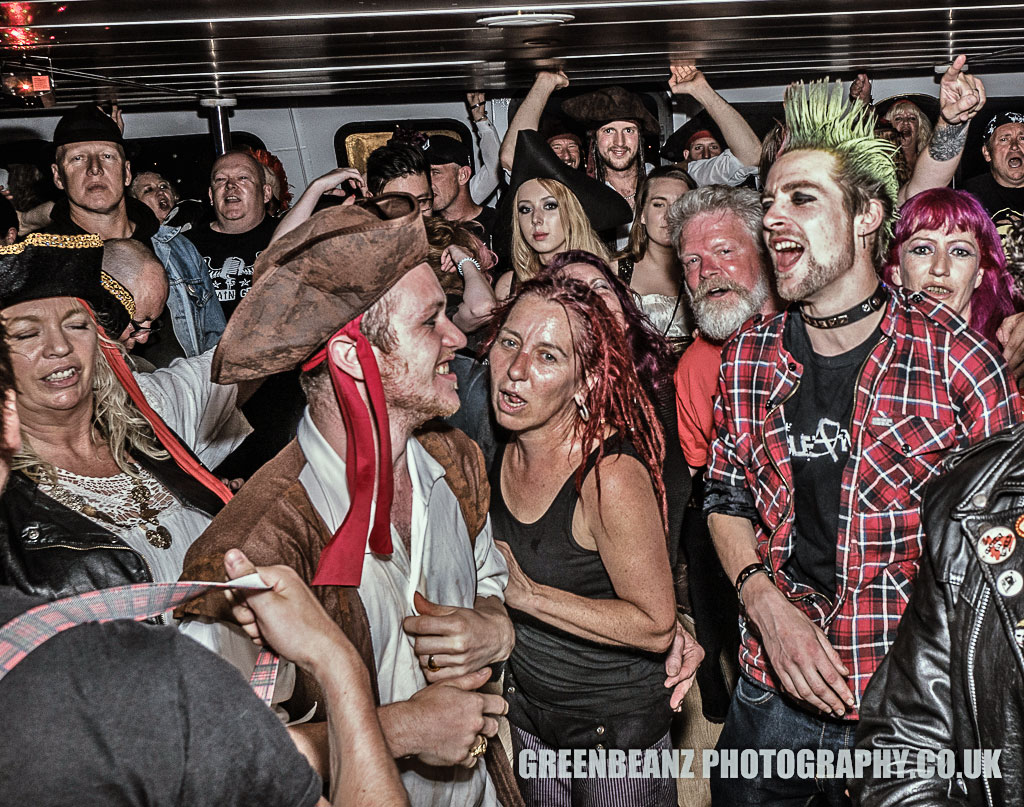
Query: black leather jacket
x=51 y=551
x=954 y=679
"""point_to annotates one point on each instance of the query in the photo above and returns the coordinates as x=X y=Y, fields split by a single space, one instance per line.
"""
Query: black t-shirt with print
x=1000 y=202
x=229 y=258
x=818 y=418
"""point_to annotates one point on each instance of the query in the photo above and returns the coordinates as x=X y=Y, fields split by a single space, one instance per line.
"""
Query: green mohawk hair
x=820 y=117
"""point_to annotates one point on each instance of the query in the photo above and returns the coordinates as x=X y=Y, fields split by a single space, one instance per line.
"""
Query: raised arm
x=485 y=178
x=529 y=112
x=961 y=97
x=478 y=300
x=303 y=208
x=626 y=527
x=688 y=80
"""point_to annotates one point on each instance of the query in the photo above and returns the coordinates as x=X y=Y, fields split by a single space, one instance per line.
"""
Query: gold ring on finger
x=432 y=665
x=478 y=749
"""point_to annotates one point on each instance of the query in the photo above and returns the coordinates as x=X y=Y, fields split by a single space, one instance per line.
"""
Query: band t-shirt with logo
x=818 y=418
x=229 y=258
x=1000 y=202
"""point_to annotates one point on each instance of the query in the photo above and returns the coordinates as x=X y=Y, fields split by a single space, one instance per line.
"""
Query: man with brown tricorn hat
x=618 y=124
x=393 y=534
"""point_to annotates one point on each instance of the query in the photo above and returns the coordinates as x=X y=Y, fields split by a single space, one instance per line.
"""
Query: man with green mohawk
x=831 y=418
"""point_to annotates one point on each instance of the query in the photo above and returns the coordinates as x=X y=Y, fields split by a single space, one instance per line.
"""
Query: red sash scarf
x=341 y=562
x=167 y=438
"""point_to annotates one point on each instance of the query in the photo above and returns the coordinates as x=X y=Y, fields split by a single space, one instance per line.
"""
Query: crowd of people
x=748 y=418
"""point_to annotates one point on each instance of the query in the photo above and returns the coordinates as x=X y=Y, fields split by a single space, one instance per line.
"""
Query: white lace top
x=670 y=315
x=113 y=496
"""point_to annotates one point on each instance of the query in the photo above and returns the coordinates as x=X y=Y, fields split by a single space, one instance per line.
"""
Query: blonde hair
x=115 y=420
x=579 y=234
x=924 y=126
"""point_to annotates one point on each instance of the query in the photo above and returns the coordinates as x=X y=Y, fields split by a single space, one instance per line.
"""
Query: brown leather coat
x=273 y=522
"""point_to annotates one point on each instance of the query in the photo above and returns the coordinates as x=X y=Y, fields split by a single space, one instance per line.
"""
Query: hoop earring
x=583 y=412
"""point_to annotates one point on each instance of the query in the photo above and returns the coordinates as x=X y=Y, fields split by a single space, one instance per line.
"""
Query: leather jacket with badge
x=49 y=550
x=953 y=679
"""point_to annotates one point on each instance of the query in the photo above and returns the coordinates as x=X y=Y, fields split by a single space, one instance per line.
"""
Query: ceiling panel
x=144 y=52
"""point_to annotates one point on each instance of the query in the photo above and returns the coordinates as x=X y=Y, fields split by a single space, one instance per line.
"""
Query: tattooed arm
x=961 y=97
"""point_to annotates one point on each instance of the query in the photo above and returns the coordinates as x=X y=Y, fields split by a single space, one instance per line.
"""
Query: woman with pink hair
x=946 y=246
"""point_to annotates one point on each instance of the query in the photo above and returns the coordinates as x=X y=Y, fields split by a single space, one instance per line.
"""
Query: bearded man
x=831 y=418
x=392 y=533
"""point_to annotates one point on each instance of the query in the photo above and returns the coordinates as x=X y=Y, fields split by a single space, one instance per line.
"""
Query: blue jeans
x=761 y=719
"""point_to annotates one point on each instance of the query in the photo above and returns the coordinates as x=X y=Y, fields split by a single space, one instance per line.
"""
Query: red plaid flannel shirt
x=929 y=385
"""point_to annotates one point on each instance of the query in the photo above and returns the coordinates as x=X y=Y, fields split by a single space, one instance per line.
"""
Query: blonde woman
x=555 y=209
x=109 y=487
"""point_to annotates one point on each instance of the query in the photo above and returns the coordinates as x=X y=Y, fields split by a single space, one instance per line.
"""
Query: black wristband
x=746 y=573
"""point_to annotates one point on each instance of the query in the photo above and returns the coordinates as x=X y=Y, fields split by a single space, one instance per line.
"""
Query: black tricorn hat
x=599 y=107
x=534 y=159
x=45 y=265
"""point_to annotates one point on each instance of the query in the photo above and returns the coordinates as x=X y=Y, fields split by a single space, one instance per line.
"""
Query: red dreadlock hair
x=267 y=159
x=614 y=395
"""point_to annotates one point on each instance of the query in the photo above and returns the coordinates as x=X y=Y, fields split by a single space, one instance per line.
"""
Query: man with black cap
x=450 y=174
x=393 y=534
x=91 y=168
x=1001 y=190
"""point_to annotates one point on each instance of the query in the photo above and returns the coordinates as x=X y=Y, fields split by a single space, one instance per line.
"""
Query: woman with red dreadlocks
x=578 y=503
x=105 y=490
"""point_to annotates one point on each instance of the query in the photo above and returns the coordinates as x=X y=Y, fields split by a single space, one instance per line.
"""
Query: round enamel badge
x=1018 y=634
x=1010 y=583
x=996 y=544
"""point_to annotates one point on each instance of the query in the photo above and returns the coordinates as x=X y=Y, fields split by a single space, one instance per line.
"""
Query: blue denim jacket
x=195 y=310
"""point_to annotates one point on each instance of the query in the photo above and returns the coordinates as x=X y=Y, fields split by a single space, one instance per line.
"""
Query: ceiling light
x=524 y=19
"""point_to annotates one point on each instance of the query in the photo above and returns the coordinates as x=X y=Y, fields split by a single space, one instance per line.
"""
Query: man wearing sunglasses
x=137 y=269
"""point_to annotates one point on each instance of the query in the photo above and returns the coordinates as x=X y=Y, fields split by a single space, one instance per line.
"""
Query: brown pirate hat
x=594 y=109
x=315 y=279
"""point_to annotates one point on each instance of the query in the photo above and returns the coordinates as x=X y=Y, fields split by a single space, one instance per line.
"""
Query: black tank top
x=553 y=671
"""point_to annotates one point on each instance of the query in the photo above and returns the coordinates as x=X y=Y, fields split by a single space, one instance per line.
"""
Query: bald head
x=238 y=192
x=135 y=267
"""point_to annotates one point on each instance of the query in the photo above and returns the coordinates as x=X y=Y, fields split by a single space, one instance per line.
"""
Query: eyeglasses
x=137 y=328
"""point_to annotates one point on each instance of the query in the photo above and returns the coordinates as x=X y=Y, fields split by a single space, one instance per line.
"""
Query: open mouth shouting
x=786 y=253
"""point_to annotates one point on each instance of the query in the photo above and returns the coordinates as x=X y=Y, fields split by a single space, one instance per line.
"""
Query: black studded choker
x=863 y=309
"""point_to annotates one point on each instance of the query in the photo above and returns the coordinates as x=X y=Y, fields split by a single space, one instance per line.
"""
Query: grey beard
x=718 y=320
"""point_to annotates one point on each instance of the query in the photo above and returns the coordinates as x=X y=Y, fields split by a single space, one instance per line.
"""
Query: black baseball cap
x=441 y=150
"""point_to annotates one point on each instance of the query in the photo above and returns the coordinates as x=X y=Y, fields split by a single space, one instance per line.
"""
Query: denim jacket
x=195 y=310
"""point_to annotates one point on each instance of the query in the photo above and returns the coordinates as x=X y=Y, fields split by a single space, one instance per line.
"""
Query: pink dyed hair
x=948 y=210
